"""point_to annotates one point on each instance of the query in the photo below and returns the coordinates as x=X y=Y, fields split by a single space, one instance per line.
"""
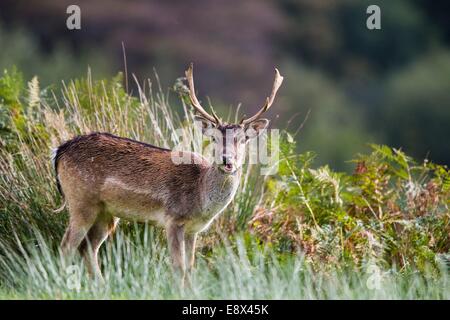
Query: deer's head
x=229 y=140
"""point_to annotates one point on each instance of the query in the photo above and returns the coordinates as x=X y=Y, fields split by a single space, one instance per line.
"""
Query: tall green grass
x=136 y=266
x=39 y=121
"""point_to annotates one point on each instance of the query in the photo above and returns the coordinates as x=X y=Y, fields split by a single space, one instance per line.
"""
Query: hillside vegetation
x=306 y=232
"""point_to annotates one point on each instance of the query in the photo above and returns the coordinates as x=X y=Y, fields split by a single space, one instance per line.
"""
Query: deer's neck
x=219 y=189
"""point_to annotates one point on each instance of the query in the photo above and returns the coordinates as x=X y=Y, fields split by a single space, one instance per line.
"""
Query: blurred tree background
x=345 y=86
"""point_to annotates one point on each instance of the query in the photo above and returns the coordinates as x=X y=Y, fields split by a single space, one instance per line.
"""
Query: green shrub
x=391 y=210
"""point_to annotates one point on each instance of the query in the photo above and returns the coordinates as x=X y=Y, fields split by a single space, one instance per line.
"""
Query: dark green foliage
x=391 y=210
x=11 y=87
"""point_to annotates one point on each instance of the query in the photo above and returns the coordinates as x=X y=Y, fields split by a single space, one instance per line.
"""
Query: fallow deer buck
x=104 y=178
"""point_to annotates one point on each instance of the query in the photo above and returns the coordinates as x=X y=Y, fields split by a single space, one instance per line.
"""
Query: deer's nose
x=226 y=159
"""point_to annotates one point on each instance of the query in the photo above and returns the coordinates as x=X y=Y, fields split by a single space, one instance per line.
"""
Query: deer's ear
x=255 y=128
x=205 y=124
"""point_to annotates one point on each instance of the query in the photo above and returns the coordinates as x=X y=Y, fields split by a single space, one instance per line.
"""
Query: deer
x=104 y=178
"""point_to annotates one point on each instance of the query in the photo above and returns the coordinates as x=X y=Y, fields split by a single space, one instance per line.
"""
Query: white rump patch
x=53 y=157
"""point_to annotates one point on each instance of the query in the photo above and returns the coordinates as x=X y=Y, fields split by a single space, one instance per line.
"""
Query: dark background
x=387 y=86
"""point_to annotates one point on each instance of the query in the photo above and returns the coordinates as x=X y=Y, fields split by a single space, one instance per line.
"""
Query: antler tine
x=215 y=116
x=194 y=101
x=269 y=100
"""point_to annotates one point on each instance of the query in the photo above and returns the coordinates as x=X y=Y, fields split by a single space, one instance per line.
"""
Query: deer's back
x=127 y=175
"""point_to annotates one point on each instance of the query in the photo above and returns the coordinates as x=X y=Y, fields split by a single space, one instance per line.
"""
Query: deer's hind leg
x=98 y=233
x=82 y=217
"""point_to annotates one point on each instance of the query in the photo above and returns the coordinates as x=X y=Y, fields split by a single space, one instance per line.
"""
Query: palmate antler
x=269 y=101
x=194 y=101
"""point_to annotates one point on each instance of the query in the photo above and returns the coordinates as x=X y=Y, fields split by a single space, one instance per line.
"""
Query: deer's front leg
x=190 y=241
x=175 y=238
